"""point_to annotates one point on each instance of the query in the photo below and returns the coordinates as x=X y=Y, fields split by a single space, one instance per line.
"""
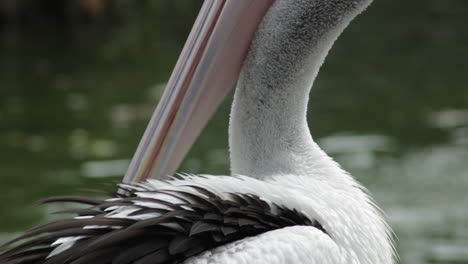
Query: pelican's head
x=207 y=70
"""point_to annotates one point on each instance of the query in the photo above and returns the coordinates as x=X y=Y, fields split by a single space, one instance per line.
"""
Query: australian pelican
x=287 y=201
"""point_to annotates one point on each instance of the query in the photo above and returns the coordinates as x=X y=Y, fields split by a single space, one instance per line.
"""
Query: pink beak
x=206 y=71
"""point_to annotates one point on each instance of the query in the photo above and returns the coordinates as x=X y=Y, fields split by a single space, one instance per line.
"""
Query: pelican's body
x=325 y=216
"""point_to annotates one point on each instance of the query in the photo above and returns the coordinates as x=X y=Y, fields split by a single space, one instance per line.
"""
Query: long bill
x=205 y=72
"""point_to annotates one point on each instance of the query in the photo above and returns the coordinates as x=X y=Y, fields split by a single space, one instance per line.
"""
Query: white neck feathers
x=269 y=133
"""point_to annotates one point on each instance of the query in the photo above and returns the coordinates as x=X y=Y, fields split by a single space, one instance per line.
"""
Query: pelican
x=287 y=201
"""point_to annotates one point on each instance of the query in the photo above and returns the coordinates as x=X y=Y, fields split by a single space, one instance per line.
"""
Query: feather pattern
x=150 y=225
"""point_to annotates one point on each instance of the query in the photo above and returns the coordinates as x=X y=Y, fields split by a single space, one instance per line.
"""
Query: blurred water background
x=79 y=80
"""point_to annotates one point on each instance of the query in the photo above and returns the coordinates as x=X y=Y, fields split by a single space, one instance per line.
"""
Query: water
x=390 y=104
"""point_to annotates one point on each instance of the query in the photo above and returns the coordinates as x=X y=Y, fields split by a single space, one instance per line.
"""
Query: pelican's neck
x=268 y=128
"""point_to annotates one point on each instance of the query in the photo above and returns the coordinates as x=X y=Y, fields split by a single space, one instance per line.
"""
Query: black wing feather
x=200 y=222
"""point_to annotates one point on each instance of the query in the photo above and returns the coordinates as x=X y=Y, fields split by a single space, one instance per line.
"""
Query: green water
x=390 y=104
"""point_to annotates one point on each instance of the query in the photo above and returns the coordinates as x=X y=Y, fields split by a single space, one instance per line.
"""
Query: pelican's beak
x=205 y=72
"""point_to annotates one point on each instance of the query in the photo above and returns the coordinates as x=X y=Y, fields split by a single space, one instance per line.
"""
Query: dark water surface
x=390 y=104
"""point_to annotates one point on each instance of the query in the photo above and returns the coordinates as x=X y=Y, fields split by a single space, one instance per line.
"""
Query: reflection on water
x=390 y=105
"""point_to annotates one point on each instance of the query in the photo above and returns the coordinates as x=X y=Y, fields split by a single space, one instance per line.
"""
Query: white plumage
x=356 y=232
